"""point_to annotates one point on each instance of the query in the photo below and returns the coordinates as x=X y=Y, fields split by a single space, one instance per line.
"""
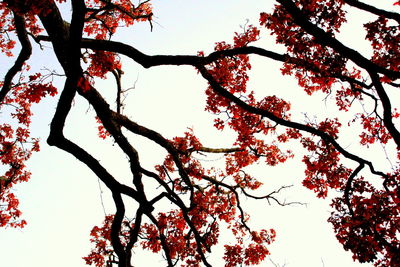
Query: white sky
x=62 y=201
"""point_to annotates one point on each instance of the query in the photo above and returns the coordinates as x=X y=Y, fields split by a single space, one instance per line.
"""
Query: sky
x=64 y=200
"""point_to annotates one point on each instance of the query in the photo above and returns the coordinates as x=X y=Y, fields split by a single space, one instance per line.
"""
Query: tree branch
x=348 y=186
x=387 y=108
x=123 y=260
x=295 y=125
x=149 y=61
x=373 y=10
x=157 y=60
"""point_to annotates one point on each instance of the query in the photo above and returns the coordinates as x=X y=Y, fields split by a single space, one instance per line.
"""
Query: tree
x=366 y=210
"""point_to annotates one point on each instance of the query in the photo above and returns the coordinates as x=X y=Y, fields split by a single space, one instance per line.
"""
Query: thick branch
x=157 y=60
x=58 y=32
x=373 y=10
x=387 y=108
x=54 y=25
x=134 y=232
x=148 y=61
x=66 y=43
x=348 y=186
x=117 y=75
x=123 y=260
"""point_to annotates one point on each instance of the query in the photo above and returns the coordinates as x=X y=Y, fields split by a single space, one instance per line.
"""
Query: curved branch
x=54 y=25
x=112 y=122
x=150 y=61
x=123 y=260
x=295 y=125
x=387 y=108
x=134 y=232
x=348 y=186
x=109 y=119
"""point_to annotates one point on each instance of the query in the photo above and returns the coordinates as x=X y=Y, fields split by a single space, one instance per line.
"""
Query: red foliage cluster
x=385 y=39
x=179 y=239
x=16 y=145
x=105 y=17
x=253 y=254
x=323 y=171
x=374 y=131
x=316 y=62
x=365 y=218
x=102 y=254
x=101 y=63
x=211 y=204
x=368 y=226
x=103 y=134
x=6 y=25
x=231 y=73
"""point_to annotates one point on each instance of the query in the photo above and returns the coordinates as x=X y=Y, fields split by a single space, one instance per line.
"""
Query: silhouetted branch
x=295 y=125
x=373 y=10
